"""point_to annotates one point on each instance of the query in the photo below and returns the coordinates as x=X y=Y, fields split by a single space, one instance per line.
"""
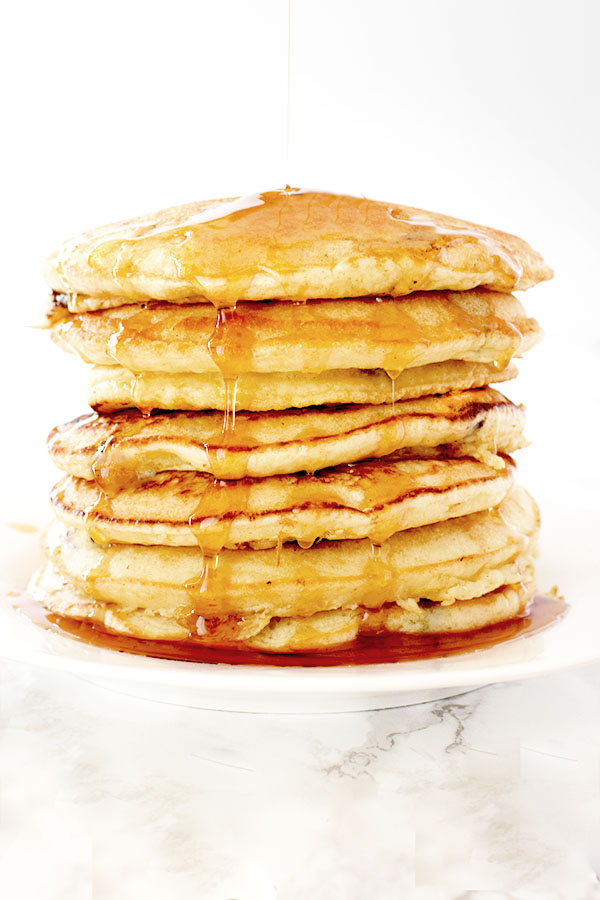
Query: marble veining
x=492 y=794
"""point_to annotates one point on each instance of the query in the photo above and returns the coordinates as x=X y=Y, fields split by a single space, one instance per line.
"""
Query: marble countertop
x=492 y=794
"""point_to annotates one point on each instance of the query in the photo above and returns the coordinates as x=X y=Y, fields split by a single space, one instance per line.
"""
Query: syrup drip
x=92 y=515
x=122 y=340
x=230 y=401
x=231 y=345
x=378 y=573
x=366 y=649
x=212 y=520
x=393 y=376
x=112 y=469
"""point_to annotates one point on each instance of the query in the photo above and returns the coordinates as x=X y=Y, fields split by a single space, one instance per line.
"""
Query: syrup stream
x=288 y=143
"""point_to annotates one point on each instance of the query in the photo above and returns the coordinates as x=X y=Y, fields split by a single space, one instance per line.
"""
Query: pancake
x=114 y=388
x=290 y=634
x=294 y=439
x=160 y=592
x=446 y=561
x=329 y=629
x=110 y=448
x=315 y=337
x=372 y=499
x=286 y=244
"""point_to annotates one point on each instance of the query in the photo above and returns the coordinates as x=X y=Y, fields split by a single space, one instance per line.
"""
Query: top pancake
x=288 y=244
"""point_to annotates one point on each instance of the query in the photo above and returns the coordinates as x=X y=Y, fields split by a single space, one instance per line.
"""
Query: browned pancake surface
x=270 y=443
x=371 y=499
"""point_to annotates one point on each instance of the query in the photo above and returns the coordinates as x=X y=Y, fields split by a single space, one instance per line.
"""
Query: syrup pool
x=542 y=612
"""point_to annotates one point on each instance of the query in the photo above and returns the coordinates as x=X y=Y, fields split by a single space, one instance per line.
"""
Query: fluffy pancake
x=326 y=459
x=329 y=629
x=293 y=633
x=272 y=443
x=170 y=592
x=287 y=244
x=372 y=499
x=115 y=388
x=393 y=334
x=446 y=561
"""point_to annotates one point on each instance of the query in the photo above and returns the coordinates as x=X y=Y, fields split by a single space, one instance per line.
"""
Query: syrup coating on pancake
x=113 y=388
x=444 y=562
x=311 y=338
x=351 y=637
x=371 y=499
x=286 y=244
x=124 y=449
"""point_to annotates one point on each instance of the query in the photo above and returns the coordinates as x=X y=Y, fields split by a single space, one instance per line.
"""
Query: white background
x=484 y=110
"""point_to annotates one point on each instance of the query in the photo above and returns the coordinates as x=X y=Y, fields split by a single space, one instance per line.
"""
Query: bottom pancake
x=321 y=631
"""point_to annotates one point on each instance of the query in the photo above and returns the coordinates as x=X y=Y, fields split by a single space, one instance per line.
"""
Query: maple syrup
x=417 y=220
x=211 y=521
x=369 y=649
x=111 y=468
x=392 y=334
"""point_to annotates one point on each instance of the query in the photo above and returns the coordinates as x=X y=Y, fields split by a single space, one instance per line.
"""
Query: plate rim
x=573 y=640
x=381 y=678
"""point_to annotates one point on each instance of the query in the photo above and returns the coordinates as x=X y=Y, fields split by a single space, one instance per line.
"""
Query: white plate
x=570 y=543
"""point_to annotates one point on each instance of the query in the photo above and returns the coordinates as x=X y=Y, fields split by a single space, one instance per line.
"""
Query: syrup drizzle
x=288 y=137
x=211 y=522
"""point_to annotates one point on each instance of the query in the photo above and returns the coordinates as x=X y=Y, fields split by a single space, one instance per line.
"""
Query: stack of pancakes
x=294 y=441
